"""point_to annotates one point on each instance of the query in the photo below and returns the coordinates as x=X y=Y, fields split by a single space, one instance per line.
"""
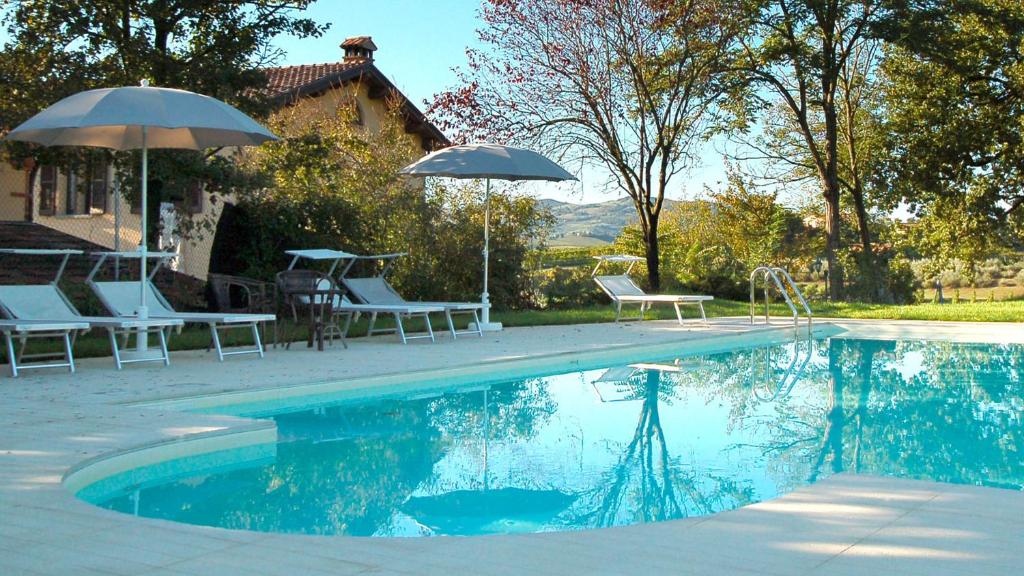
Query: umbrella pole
x=117 y=229
x=485 y=298
x=143 y=311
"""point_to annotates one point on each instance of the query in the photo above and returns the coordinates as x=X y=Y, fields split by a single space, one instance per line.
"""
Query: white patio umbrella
x=488 y=161
x=141 y=117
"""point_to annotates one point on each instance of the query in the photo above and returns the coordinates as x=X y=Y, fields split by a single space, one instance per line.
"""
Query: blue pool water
x=646 y=442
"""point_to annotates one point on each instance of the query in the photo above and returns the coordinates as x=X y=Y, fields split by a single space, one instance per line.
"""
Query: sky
x=419 y=42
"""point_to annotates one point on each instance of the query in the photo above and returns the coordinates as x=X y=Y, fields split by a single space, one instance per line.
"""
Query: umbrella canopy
x=488 y=161
x=141 y=117
x=116 y=118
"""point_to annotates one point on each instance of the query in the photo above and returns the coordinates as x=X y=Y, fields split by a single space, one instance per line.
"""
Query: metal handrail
x=799 y=295
x=769 y=272
x=773 y=273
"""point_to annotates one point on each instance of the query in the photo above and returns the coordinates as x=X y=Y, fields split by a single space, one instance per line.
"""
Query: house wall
x=98 y=228
x=196 y=251
x=12 y=192
x=373 y=111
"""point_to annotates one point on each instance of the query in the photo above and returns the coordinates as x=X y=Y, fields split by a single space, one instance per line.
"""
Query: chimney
x=359 y=48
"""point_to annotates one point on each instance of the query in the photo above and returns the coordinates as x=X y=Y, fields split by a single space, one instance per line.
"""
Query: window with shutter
x=48 y=190
x=194 y=199
x=71 y=191
x=99 y=186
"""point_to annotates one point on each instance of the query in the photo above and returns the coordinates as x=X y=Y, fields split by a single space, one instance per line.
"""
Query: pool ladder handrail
x=778 y=275
x=795 y=371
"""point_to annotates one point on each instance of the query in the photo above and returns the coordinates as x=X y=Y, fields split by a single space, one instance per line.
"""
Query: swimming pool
x=641 y=442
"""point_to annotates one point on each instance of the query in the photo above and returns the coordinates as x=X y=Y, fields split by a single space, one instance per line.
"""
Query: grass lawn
x=95 y=343
x=1006 y=311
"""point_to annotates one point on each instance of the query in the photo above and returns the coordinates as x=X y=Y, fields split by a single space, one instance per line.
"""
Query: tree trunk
x=868 y=264
x=870 y=275
x=651 y=245
x=862 y=220
x=832 y=245
x=831 y=192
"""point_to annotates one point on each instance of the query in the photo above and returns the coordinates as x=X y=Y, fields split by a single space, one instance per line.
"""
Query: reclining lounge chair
x=294 y=283
x=23 y=330
x=39 y=310
x=623 y=290
x=376 y=290
x=121 y=298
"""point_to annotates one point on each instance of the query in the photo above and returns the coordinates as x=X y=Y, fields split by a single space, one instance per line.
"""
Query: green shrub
x=566 y=287
x=901 y=283
x=813 y=291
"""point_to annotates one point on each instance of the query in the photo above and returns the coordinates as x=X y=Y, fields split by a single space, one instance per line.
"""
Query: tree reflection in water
x=646 y=484
x=940 y=411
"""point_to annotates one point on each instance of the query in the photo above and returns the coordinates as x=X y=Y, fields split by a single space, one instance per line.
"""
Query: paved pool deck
x=51 y=422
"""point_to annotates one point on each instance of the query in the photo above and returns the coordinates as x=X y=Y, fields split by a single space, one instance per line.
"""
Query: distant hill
x=591 y=224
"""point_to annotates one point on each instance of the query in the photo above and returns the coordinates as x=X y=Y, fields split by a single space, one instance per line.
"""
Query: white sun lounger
x=344 y=306
x=23 y=330
x=39 y=305
x=623 y=290
x=121 y=298
x=399 y=312
x=377 y=291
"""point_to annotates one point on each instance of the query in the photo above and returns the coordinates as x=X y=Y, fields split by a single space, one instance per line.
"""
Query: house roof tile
x=287 y=78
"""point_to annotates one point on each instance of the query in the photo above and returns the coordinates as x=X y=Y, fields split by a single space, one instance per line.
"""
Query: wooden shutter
x=48 y=190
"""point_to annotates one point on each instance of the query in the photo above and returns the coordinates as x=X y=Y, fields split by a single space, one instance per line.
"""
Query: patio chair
x=376 y=290
x=296 y=285
x=38 y=310
x=241 y=295
x=237 y=294
x=23 y=330
x=623 y=290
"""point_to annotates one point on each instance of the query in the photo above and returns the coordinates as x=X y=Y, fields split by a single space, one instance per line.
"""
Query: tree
x=862 y=137
x=627 y=86
x=60 y=47
x=791 y=61
x=782 y=154
x=955 y=115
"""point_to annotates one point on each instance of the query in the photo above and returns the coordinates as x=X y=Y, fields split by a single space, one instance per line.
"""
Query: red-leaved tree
x=630 y=86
